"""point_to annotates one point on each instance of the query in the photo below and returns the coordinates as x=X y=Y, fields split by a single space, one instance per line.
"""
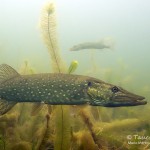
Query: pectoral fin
x=5 y=106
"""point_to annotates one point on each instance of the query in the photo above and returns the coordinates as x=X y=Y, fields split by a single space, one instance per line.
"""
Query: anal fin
x=5 y=106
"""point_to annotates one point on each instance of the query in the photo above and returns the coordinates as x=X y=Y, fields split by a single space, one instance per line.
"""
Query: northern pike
x=103 y=43
x=60 y=89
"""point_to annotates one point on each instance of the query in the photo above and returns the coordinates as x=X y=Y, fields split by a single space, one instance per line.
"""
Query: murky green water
x=126 y=64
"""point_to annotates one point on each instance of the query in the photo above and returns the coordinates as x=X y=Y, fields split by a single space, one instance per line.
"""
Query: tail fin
x=108 y=42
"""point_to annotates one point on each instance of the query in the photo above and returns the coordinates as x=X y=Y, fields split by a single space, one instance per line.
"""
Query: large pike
x=60 y=89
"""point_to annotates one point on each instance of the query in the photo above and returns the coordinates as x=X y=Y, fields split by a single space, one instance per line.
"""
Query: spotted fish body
x=60 y=89
x=47 y=88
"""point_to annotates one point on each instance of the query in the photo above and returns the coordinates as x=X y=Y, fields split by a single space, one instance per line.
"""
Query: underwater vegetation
x=45 y=127
x=73 y=66
x=48 y=29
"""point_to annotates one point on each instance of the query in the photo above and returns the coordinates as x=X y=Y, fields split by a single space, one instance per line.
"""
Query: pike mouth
x=127 y=101
x=134 y=101
x=140 y=101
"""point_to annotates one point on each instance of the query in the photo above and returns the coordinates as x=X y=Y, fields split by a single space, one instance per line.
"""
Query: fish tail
x=108 y=42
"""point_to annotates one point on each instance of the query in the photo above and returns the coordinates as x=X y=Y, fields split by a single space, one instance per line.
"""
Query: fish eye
x=89 y=83
x=114 y=89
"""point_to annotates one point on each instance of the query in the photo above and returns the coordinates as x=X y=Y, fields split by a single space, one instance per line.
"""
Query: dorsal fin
x=7 y=72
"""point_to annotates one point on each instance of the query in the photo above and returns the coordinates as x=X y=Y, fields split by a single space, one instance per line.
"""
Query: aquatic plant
x=22 y=146
x=83 y=140
x=63 y=132
x=47 y=140
x=48 y=32
x=89 y=124
x=26 y=68
x=36 y=108
x=73 y=66
x=2 y=142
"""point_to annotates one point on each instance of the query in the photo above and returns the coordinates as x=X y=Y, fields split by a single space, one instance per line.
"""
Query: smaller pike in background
x=60 y=89
x=103 y=43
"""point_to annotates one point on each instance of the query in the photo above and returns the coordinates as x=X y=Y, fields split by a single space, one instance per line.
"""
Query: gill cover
x=99 y=93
